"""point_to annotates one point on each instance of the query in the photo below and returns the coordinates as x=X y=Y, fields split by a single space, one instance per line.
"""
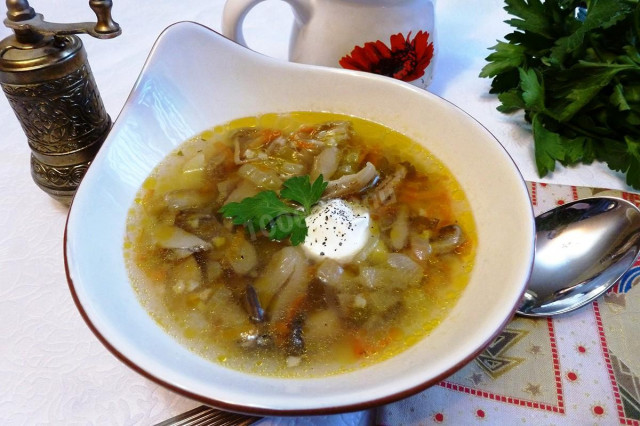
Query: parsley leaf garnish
x=300 y=190
x=281 y=216
x=578 y=82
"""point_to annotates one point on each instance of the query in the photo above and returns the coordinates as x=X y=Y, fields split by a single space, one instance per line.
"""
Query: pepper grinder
x=46 y=77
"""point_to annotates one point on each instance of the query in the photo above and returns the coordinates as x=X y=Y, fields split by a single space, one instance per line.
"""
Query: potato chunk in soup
x=234 y=295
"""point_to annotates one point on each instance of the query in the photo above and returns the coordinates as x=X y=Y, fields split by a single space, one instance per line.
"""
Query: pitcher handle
x=236 y=10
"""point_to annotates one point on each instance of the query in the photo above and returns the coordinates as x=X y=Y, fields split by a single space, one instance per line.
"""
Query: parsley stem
x=636 y=23
x=607 y=65
x=586 y=133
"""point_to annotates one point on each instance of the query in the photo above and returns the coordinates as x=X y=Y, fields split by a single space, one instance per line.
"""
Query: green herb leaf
x=532 y=90
x=511 y=101
x=506 y=57
x=618 y=99
x=551 y=147
x=266 y=211
x=259 y=210
x=284 y=226
x=300 y=190
x=299 y=233
x=532 y=16
x=548 y=147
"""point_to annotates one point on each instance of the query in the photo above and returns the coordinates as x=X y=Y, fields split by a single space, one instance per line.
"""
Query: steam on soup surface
x=389 y=246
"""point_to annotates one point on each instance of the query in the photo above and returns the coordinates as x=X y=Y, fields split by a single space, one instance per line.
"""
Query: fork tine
x=207 y=416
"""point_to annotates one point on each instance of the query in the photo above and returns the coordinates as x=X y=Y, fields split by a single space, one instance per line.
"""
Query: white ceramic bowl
x=194 y=79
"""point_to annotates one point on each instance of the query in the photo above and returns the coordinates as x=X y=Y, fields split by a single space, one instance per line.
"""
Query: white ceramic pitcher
x=389 y=37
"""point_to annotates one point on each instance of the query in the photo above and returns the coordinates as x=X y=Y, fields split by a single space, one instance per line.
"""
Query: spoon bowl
x=582 y=249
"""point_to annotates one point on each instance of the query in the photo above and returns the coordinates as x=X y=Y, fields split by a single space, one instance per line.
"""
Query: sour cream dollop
x=337 y=230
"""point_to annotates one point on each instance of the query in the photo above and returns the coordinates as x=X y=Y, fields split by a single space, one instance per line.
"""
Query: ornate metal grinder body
x=46 y=77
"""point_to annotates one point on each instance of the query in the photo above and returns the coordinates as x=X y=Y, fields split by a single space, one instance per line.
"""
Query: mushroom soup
x=300 y=244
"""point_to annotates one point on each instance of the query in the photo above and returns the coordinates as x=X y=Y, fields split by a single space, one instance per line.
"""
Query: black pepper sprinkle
x=341 y=216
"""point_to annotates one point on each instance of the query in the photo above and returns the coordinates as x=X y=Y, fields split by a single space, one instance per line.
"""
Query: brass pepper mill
x=46 y=77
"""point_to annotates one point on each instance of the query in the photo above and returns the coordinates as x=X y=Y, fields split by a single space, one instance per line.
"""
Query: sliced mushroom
x=386 y=190
x=186 y=198
x=408 y=271
x=330 y=272
x=321 y=327
x=449 y=237
x=288 y=297
x=295 y=340
x=242 y=256
x=349 y=184
x=246 y=140
x=256 y=313
x=277 y=273
x=202 y=223
x=399 y=233
x=172 y=237
x=334 y=133
x=420 y=224
x=226 y=187
x=399 y=272
x=325 y=163
x=245 y=189
x=420 y=247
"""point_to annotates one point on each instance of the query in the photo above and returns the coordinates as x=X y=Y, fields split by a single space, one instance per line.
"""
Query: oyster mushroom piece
x=242 y=256
x=349 y=184
x=325 y=163
x=449 y=237
x=181 y=199
x=256 y=313
x=385 y=191
x=399 y=233
x=420 y=247
x=247 y=143
x=172 y=237
x=330 y=272
x=277 y=274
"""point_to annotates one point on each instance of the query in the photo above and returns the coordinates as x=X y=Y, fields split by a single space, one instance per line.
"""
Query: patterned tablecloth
x=579 y=368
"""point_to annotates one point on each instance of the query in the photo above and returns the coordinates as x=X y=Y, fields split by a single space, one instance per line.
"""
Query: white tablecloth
x=52 y=368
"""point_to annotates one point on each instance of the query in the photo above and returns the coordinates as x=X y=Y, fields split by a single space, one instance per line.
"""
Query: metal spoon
x=582 y=249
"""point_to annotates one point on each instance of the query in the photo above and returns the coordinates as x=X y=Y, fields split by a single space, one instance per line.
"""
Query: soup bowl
x=183 y=91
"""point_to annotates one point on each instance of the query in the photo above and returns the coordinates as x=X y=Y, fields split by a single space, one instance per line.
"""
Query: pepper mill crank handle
x=105 y=27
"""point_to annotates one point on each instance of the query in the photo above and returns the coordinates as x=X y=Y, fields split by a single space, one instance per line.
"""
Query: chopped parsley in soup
x=300 y=244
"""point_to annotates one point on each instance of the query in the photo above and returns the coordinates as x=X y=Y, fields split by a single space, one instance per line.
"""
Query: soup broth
x=237 y=296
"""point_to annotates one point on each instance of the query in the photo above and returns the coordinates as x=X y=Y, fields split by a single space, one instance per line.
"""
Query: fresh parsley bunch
x=578 y=82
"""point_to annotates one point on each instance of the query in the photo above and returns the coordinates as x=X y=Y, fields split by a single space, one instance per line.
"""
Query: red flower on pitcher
x=405 y=60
